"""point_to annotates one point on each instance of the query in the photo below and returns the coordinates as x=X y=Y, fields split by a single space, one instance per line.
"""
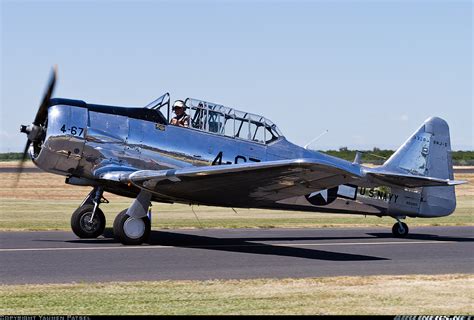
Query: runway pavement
x=57 y=257
x=24 y=170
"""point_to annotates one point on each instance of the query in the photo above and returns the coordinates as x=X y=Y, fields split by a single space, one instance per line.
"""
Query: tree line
x=379 y=156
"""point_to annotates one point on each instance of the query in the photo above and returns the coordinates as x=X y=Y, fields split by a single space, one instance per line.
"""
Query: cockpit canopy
x=218 y=119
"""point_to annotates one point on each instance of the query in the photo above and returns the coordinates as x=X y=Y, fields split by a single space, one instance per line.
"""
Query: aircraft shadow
x=108 y=233
x=240 y=245
x=421 y=236
x=253 y=245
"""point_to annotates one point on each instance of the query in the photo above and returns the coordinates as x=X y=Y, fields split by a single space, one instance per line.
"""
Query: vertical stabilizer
x=428 y=153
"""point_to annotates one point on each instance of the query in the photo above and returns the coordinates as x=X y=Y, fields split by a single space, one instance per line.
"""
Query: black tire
x=127 y=238
x=400 y=232
x=80 y=222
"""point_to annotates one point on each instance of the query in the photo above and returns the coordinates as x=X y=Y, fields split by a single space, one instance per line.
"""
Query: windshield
x=159 y=103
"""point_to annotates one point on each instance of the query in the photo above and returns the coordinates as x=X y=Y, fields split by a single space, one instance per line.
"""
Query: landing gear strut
x=88 y=221
x=400 y=229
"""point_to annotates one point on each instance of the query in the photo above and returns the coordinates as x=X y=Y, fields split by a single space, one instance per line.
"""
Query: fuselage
x=82 y=139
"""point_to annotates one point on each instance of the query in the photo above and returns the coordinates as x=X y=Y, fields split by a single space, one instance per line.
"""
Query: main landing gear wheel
x=400 y=230
x=131 y=231
x=83 y=226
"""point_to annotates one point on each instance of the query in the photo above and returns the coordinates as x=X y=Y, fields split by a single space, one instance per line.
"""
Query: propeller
x=36 y=130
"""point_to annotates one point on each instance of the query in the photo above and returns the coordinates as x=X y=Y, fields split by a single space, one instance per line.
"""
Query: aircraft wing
x=246 y=184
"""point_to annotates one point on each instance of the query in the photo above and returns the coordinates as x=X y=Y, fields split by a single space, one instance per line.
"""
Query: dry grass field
x=413 y=294
x=42 y=201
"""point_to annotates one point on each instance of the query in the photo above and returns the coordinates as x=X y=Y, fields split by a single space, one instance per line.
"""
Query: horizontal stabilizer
x=412 y=181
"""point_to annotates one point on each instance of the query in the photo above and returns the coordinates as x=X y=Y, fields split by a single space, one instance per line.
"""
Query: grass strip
x=410 y=294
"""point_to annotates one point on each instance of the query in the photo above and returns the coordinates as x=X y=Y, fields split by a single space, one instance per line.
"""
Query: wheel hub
x=88 y=225
x=134 y=228
x=401 y=229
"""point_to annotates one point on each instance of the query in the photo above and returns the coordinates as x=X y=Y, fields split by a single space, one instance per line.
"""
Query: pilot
x=181 y=119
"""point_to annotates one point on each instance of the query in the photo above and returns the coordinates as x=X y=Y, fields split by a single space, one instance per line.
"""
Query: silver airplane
x=228 y=158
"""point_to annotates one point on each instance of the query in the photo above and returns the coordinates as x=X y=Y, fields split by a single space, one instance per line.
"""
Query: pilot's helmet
x=179 y=104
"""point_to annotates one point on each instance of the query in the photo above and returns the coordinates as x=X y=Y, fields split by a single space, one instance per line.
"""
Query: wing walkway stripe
x=227 y=246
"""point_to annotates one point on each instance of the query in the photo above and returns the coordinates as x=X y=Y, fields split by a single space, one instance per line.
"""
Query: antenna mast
x=316 y=139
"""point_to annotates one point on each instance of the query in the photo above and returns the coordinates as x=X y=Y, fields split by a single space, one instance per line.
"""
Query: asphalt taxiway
x=55 y=257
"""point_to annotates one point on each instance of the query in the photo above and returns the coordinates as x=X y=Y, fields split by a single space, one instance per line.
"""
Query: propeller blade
x=40 y=118
x=22 y=162
x=43 y=109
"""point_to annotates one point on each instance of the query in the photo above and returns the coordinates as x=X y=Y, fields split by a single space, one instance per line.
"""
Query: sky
x=369 y=72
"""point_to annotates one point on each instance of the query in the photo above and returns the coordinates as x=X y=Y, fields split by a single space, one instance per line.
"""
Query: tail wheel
x=83 y=226
x=130 y=230
x=400 y=230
